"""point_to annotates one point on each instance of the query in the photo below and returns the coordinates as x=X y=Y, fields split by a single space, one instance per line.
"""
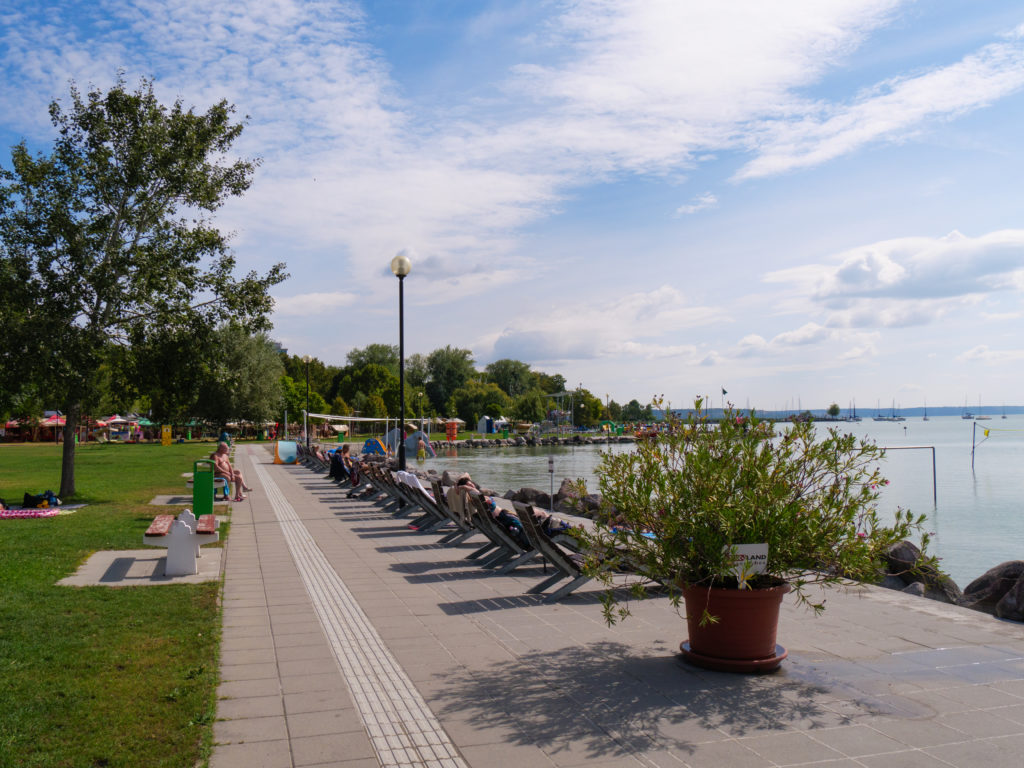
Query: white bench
x=183 y=536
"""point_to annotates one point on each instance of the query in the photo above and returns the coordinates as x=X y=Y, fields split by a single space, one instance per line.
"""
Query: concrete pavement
x=350 y=640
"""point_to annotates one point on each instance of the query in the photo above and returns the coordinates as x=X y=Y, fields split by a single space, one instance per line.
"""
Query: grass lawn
x=97 y=676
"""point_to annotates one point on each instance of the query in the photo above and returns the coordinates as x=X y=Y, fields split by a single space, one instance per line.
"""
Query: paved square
x=338 y=616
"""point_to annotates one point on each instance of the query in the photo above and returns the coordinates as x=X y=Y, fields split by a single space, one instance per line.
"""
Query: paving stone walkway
x=351 y=640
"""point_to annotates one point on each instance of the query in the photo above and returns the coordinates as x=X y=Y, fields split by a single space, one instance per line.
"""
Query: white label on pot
x=748 y=561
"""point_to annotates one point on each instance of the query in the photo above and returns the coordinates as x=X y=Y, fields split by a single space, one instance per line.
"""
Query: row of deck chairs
x=457 y=517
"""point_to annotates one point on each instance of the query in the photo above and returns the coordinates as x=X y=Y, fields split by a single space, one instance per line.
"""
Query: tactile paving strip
x=401 y=726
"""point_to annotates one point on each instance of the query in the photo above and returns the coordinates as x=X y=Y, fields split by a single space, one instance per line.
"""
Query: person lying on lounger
x=510 y=521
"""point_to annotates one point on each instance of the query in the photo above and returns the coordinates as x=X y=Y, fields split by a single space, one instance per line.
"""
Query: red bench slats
x=160 y=526
x=206 y=524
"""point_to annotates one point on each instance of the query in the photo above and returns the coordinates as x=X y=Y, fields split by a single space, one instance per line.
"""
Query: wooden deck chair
x=566 y=566
x=380 y=480
x=510 y=554
x=413 y=491
x=464 y=528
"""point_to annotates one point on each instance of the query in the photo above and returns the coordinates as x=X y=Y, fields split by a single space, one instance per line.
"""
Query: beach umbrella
x=53 y=421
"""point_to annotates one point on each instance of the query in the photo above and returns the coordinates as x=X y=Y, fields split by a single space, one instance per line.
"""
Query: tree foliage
x=514 y=377
x=449 y=369
x=244 y=380
x=385 y=355
x=107 y=244
x=475 y=399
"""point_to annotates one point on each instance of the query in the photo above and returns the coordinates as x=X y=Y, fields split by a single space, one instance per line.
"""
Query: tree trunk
x=67 y=464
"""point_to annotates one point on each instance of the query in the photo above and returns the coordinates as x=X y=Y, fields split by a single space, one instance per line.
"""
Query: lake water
x=977 y=523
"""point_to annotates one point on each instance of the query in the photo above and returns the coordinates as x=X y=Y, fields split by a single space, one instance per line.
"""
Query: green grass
x=97 y=676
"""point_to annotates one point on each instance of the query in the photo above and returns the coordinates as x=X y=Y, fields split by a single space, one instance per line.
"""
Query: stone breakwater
x=999 y=591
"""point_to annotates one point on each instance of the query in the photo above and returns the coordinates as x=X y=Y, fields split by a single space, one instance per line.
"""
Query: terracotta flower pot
x=743 y=637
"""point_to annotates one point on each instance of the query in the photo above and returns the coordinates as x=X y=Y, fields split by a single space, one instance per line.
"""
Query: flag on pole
x=724 y=392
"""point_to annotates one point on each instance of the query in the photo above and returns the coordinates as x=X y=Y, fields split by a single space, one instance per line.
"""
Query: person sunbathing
x=222 y=468
x=338 y=470
x=510 y=520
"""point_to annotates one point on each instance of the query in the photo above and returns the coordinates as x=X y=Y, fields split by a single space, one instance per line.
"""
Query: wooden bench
x=183 y=536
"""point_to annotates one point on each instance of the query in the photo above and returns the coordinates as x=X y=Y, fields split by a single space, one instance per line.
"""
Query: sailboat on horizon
x=925 y=410
x=980 y=417
x=965 y=414
x=853 y=412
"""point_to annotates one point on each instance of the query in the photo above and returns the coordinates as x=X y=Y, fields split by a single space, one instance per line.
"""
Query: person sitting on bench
x=222 y=468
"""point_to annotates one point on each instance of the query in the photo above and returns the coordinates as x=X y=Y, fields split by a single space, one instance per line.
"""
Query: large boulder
x=533 y=497
x=986 y=591
x=892 y=582
x=903 y=560
x=451 y=478
x=1011 y=605
x=916 y=588
x=566 y=490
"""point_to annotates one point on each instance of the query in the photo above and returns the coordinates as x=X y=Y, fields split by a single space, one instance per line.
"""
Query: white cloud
x=642 y=86
x=312 y=304
x=646 y=84
x=983 y=354
x=908 y=281
x=892 y=110
x=639 y=325
x=707 y=200
x=810 y=333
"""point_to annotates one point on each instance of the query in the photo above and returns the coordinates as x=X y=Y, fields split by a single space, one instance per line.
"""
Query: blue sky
x=812 y=199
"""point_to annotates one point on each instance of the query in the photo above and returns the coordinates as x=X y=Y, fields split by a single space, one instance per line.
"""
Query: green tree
x=513 y=376
x=614 y=411
x=529 y=406
x=416 y=370
x=588 y=409
x=369 y=379
x=633 y=411
x=550 y=385
x=476 y=399
x=833 y=410
x=244 y=379
x=107 y=239
x=375 y=407
x=321 y=375
x=450 y=368
x=293 y=398
x=375 y=354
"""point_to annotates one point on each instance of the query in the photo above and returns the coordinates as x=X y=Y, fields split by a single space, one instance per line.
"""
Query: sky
x=807 y=201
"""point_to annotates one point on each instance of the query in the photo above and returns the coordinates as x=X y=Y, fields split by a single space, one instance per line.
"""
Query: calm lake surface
x=977 y=523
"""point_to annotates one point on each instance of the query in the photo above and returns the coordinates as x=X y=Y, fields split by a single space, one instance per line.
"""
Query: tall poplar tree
x=107 y=245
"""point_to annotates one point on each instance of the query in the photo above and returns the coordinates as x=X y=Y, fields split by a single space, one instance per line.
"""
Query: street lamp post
x=401 y=266
x=305 y=413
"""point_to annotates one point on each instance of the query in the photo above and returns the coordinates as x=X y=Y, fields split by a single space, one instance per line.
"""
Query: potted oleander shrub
x=731 y=516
